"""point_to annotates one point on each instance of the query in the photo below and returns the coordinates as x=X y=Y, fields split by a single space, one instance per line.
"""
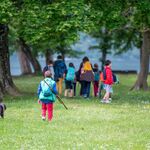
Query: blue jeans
x=86 y=88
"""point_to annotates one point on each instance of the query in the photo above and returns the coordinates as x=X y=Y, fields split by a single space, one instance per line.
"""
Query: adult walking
x=87 y=76
x=59 y=72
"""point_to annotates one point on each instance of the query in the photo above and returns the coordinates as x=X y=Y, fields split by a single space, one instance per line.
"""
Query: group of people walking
x=57 y=72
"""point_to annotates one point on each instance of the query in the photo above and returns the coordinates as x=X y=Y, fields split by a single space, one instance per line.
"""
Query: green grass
x=87 y=125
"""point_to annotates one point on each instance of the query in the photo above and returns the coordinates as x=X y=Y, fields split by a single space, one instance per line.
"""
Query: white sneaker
x=107 y=101
x=110 y=99
x=43 y=118
x=102 y=101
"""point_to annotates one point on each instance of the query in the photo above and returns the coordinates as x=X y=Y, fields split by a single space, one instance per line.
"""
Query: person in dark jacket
x=59 y=73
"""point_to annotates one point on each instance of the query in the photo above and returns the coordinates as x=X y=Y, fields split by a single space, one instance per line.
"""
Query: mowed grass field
x=86 y=125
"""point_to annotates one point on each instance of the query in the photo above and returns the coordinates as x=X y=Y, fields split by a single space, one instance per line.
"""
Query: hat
x=48 y=73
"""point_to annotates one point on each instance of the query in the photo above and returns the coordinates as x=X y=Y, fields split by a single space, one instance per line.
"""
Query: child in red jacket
x=108 y=82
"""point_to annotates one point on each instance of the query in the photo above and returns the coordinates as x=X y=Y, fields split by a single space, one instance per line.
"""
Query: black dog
x=2 y=109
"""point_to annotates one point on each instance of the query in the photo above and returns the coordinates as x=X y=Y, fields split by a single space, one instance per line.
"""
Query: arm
x=39 y=89
x=55 y=89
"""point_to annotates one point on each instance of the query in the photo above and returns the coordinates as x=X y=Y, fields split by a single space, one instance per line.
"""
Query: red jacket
x=109 y=76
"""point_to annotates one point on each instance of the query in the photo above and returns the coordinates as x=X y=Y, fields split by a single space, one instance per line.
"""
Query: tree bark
x=48 y=55
x=103 y=58
x=1 y=92
x=24 y=62
x=6 y=78
x=141 y=82
x=32 y=59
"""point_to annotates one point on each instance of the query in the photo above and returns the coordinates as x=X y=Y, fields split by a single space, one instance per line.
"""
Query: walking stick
x=59 y=99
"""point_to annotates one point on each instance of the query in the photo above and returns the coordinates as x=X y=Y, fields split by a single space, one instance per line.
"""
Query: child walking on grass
x=46 y=94
x=107 y=82
x=69 y=80
x=96 y=79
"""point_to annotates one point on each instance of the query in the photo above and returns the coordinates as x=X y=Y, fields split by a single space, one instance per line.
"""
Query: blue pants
x=86 y=88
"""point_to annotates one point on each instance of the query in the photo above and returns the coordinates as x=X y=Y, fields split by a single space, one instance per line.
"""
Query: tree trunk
x=6 y=78
x=24 y=62
x=1 y=92
x=141 y=82
x=1 y=84
x=32 y=59
x=48 y=55
x=103 y=58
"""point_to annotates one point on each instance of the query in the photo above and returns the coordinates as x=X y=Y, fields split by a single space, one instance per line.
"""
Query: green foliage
x=124 y=19
x=120 y=13
x=50 y=23
x=46 y=24
x=6 y=11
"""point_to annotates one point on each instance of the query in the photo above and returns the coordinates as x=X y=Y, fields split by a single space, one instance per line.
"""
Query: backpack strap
x=49 y=86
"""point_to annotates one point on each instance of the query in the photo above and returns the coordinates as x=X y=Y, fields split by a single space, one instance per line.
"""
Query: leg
x=60 y=85
x=74 y=89
x=71 y=93
x=44 y=111
x=70 y=89
x=95 y=92
x=66 y=92
x=96 y=88
x=50 y=111
x=106 y=96
x=93 y=89
x=88 y=85
x=57 y=86
x=84 y=89
x=100 y=89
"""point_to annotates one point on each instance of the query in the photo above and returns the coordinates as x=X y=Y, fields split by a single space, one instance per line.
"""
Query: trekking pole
x=59 y=99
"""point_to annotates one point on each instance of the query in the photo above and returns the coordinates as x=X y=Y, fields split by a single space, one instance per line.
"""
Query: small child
x=108 y=82
x=96 y=79
x=70 y=76
x=46 y=94
x=50 y=67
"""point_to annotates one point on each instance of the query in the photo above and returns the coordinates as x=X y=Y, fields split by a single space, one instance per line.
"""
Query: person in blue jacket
x=59 y=73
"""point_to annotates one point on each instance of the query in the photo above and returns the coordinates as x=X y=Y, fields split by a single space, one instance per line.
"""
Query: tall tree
x=104 y=39
x=6 y=78
x=24 y=61
x=126 y=14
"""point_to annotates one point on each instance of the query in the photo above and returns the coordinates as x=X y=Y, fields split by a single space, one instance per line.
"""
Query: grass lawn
x=87 y=125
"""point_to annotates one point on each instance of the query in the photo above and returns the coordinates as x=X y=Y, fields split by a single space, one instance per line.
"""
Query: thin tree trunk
x=32 y=59
x=103 y=58
x=48 y=55
x=24 y=62
x=141 y=82
x=1 y=85
x=7 y=82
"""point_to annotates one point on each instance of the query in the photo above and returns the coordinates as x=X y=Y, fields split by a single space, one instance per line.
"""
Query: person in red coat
x=108 y=81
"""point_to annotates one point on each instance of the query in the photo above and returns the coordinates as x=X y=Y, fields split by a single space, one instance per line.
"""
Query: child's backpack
x=46 y=88
x=115 y=79
x=103 y=75
x=70 y=74
x=96 y=76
